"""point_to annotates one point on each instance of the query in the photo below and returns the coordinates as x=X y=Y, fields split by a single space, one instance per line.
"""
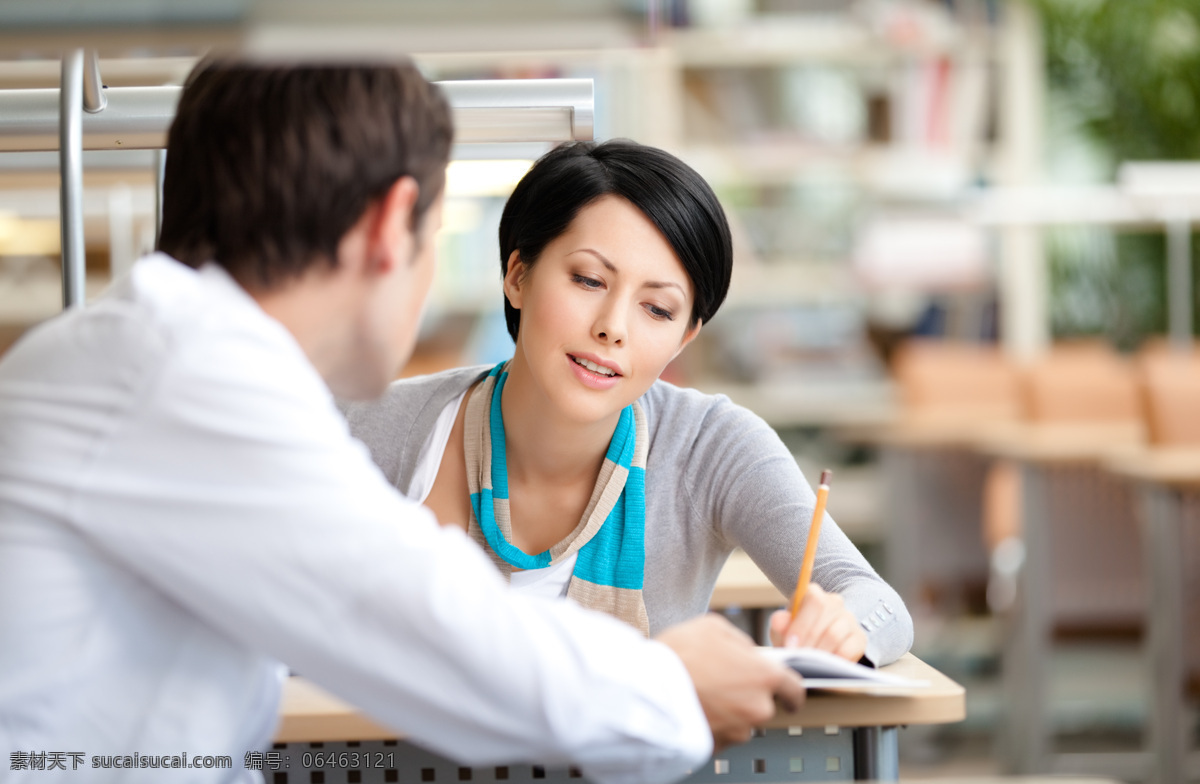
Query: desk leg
x=1169 y=727
x=1026 y=649
x=876 y=754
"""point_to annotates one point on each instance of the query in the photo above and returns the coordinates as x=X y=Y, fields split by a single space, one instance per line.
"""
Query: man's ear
x=688 y=337
x=393 y=233
x=513 y=276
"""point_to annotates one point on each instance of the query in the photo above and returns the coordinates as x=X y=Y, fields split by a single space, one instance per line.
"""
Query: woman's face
x=603 y=310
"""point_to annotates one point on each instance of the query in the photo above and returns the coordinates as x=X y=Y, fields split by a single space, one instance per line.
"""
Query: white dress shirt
x=182 y=509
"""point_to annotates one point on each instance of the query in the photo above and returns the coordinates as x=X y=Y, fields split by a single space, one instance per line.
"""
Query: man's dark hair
x=268 y=166
x=669 y=192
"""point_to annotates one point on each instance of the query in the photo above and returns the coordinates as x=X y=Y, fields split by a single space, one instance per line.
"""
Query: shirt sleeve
x=235 y=489
x=759 y=500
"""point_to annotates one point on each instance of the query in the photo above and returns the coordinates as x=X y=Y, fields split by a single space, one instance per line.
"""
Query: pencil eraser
x=825 y=476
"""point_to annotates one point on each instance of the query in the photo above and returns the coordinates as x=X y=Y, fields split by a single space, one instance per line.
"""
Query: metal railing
x=84 y=115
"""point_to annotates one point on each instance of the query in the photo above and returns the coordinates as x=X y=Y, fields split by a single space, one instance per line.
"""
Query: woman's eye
x=659 y=313
x=583 y=280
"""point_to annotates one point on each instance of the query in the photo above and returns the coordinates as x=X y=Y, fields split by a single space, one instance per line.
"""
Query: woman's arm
x=743 y=481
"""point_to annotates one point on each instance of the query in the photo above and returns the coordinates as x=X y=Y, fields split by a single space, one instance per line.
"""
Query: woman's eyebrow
x=611 y=267
x=650 y=284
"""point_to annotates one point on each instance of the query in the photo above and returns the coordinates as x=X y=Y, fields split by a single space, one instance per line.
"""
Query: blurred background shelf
x=817 y=124
x=868 y=402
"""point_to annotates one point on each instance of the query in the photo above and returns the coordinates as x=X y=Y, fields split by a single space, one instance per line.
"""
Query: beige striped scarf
x=609 y=540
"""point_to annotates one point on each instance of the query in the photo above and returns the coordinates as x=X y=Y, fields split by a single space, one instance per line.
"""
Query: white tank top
x=549 y=582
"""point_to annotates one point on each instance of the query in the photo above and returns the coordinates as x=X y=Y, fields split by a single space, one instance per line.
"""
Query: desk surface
x=1176 y=467
x=1019 y=440
x=1063 y=443
x=932 y=431
x=742 y=584
x=942 y=702
x=309 y=714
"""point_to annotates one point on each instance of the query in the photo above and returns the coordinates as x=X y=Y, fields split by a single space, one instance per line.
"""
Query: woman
x=580 y=472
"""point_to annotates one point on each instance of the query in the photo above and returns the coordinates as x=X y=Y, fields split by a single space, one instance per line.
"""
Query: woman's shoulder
x=414 y=398
x=687 y=415
x=665 y=398
x=448 y=382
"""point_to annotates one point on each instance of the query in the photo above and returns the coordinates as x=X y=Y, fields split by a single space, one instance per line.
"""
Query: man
x=182 y=509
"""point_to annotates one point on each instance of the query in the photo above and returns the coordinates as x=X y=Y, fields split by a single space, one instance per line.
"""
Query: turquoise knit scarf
x=609 y=539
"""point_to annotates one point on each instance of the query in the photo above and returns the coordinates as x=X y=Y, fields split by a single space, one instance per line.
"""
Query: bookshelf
x=888 y=116
x=809 y=126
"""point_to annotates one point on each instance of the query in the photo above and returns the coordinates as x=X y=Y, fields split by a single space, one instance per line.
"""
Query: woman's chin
x=586 y=407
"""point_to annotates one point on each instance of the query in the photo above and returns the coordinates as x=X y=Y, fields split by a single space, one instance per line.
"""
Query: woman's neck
x=542 y=445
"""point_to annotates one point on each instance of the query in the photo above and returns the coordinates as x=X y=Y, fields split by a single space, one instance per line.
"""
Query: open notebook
x=823 y=670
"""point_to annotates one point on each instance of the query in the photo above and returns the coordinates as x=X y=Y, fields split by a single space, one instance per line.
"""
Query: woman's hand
x=823 y=622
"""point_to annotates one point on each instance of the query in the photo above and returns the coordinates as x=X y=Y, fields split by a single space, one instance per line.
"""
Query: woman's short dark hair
x=669 y=192
x=268 y=166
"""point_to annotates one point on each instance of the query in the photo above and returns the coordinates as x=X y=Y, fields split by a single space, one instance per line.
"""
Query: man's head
x=268 y=167
x=319 y=189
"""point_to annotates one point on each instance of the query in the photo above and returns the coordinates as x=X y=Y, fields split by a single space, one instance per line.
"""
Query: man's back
x=181 y=506
x=96 y=660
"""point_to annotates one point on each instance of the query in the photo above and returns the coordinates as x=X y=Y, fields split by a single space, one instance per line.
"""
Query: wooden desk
x=931 y=431
x=1177 y=468
x=851 y=735
x=1169 y=492
x=942 y=702
x=1062 y=443
x=742 y=584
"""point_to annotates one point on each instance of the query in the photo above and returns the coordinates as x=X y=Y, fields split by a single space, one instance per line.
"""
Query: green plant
x=1123 y=77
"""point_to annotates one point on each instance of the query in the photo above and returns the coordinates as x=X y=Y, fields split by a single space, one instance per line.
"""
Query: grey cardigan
x=717 y=477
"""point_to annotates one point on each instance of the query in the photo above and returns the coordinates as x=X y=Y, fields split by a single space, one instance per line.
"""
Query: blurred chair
x=1169 y=384
x=1078 y=568
x=1169 y=494
x=1087 y=391
x=947 y=381
x=936 y=556
x=1082 y=381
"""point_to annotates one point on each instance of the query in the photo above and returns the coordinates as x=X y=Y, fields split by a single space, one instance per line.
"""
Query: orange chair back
x=950 y=379
x=1081 y=383
x=1170 y=393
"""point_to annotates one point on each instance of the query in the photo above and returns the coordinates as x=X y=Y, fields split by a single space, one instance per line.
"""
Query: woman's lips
x=590 y=378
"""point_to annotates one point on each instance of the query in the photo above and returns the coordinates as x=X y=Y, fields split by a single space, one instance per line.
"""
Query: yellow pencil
x=810 y=549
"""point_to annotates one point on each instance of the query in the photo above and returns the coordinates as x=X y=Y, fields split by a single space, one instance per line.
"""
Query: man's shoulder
x=196 y=300
x=162 y=302
x=160 y=314
x=126 y=328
